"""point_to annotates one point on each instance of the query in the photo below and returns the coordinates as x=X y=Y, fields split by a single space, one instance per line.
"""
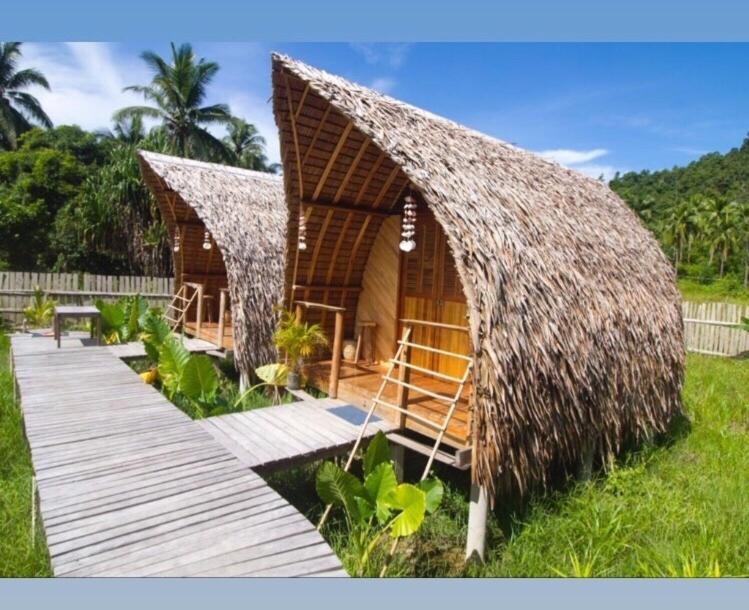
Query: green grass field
x=18 y=557
x=727 y=290
x=677 y=507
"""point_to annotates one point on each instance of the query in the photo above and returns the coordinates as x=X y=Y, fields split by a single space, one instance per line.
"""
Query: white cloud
x=579 y=160
x=391 y=54
x=567 y=156
x=383 y=84
x=85 y=81
x=596 y=171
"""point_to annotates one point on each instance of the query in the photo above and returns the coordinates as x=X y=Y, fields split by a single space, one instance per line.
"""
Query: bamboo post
x=404 y=376
x=299 y=313
x=335 y=367
x=199 y=321
x=477 y=512
x=221 y=314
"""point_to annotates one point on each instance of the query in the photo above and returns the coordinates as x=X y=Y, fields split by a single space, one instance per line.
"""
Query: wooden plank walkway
x=135 y=349
x=130 y=486
x=278 y=437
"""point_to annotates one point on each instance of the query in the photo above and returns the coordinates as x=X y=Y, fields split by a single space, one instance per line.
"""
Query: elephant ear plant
x=376 y=507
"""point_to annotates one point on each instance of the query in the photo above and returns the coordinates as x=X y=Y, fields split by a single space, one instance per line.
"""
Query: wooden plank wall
x=711 y=328
x=17 y=287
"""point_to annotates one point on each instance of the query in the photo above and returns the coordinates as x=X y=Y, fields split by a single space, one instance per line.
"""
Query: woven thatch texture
x=573 y=310
x=246 y=215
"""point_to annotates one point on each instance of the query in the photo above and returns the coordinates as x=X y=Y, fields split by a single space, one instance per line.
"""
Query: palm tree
x=680 y=227
x=720 y=227
x=246 y=145
x=177 y=92
x=19 y=111
x=128 y=130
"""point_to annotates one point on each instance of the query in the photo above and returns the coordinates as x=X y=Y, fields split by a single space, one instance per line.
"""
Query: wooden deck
x=209 y=332
x=130 y=486
x=277 y=437
x=358 y=385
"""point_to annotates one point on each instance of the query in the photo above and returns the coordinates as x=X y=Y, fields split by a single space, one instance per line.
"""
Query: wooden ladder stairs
x=404 y=385
x=176 y=311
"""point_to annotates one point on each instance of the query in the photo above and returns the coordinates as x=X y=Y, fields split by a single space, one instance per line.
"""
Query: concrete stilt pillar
x=478 y=511
x=398 y=455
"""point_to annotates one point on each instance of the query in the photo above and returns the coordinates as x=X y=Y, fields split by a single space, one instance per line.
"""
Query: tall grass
x=18 y=557
x=676 y=507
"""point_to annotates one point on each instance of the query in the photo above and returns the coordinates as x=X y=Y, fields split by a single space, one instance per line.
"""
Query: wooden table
x=77 y=312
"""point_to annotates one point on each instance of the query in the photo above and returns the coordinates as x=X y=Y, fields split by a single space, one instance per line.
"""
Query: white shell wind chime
x=177 y=241
x=408 y=224
x=207 y=240
x=302 y=240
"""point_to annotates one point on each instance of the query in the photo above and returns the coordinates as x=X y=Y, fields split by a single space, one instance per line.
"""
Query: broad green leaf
x=377 y=453
x=112 y=317
x=273 y=374
x=155 y=332
x=199 y=378
x=378 y=485
x=433 y=490
x=365 y=508
x=172 y=359
x=411 y=502
x=335 y=486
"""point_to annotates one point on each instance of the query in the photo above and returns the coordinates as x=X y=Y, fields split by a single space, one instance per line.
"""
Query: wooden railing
x=335 y=364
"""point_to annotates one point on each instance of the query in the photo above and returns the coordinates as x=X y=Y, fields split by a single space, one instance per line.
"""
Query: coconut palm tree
x=128 y=130
x=177 y=92
x=720 y=223
x=680 y=226
x=246 y=145
x=19 y=110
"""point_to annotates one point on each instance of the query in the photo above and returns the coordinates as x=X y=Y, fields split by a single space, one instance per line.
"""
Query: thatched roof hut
x=244 y=214
x=574 y=318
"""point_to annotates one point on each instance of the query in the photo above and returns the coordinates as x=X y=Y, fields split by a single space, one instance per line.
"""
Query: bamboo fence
x=17 y=288
x=713 y=328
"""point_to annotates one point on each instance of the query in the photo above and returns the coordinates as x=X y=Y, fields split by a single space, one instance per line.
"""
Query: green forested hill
x=716 y=175
x=700 y=212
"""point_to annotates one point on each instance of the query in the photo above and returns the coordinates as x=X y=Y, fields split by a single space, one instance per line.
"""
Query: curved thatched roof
x=245 y=213
x=574 y=315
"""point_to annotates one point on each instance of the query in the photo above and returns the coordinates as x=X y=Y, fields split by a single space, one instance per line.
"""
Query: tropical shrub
x=40 y=310
x=376 y=506
x=123 y=320
x=298 y=340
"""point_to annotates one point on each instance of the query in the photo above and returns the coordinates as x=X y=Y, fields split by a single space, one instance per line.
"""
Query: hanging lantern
x=302 y=242
x=176 y=240
x=206 y=241
x=408 y=224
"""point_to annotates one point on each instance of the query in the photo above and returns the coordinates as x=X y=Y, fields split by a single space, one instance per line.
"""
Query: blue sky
x=598 y=108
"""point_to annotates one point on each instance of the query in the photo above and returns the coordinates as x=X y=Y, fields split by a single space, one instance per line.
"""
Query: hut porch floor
x=358 y=384
x=209 y=332
x=128 y=485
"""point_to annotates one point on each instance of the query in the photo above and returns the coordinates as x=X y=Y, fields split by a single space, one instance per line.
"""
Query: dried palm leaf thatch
x=574 y=315
x=245 y=213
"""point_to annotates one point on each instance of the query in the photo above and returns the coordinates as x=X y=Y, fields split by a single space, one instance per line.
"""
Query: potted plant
x=298 y=341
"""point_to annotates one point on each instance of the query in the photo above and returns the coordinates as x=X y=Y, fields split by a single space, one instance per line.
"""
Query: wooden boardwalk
x=278 y=437
x=135 y=349
x=130 y=486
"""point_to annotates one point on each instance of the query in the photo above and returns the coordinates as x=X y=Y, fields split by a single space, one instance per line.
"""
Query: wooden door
x=431 y=291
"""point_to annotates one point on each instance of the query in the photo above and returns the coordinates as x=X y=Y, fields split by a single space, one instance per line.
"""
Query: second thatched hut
x=227 y=228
